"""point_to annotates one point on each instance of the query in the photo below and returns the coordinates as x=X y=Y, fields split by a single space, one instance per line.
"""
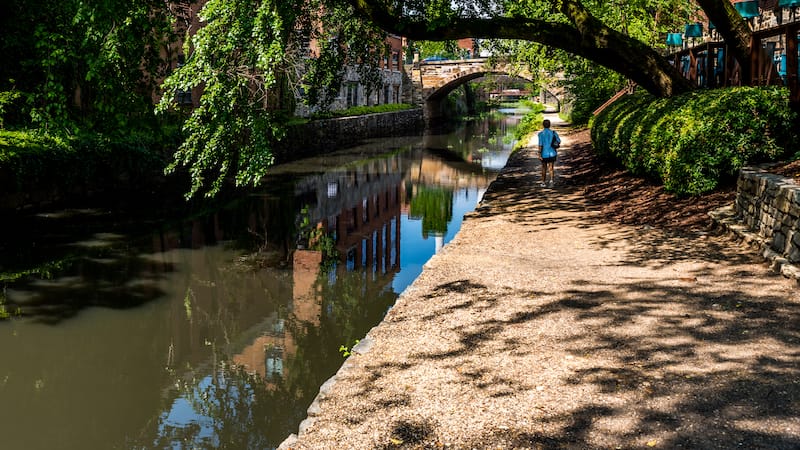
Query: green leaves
x=695 y=142
x=84 y=64
x=238 y=62
x=246 y=62
x=344 y=40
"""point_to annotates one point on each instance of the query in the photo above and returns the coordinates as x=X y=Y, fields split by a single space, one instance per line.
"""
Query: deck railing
x=773 y=57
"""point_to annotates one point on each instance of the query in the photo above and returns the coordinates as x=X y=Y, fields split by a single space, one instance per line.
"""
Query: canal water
x=217 y=328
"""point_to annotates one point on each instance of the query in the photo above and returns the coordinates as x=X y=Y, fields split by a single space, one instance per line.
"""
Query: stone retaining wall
x=320 y=136
x=769 y=205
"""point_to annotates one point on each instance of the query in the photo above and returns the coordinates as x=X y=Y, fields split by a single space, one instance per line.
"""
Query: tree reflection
x=238 y=407
x=435 y=207
x=229 y=409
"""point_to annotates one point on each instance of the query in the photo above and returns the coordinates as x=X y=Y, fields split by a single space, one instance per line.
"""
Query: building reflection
x=185 y=303
x=359 y=208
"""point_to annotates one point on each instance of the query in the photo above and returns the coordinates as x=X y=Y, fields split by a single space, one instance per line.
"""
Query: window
x=184 y=97
x=274 y=362
x=352 y=94
x=304 y=45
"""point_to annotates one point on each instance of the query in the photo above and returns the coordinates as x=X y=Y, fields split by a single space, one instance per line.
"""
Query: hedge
x=697 y=142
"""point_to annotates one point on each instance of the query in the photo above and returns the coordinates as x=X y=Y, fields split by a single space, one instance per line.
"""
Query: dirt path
x=543 y=324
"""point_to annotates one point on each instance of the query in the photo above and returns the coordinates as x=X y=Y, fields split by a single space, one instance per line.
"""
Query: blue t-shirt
x=546 y=142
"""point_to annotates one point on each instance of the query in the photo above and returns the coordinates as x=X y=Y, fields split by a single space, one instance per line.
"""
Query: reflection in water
x=216 y=331
x=434 y=206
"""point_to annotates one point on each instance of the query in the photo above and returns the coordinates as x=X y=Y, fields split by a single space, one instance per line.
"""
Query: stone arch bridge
x=432 y=81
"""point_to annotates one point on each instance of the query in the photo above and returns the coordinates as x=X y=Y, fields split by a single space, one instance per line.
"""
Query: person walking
x=549 y=141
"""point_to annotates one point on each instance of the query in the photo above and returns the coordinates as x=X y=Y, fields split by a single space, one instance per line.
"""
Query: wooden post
x=730 y=67
x=755 y=60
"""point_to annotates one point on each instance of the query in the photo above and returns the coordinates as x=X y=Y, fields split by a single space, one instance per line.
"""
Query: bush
x=531 y=121
x=11 y=107
x=29 y=158
x=696 y=142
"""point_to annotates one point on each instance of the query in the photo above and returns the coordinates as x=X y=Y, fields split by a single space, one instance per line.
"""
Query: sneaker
x=543 y=184
x=550 y=184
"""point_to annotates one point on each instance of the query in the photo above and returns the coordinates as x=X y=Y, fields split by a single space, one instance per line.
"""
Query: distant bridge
x=432 y=81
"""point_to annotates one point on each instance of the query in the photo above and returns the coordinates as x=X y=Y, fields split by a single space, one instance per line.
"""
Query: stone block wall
x=769 y=205
x=321 y=136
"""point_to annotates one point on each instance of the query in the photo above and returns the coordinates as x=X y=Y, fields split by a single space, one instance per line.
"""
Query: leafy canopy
x=75 y=63
x=249 y=60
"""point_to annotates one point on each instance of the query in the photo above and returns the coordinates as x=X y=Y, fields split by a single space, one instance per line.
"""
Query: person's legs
x=544 y=172
x=548 y=164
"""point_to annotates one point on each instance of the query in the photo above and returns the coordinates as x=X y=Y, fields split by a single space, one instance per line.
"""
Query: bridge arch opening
x=439 y=80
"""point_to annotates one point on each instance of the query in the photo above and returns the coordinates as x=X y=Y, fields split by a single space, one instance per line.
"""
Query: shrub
x=29 y=158
x=696 y=142
x=11 y=105
x=530 y=122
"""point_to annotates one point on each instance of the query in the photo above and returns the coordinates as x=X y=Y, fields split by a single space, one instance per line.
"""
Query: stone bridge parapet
x=431 y=81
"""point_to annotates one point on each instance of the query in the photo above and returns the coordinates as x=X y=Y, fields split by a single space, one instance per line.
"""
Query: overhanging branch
x=588 y=38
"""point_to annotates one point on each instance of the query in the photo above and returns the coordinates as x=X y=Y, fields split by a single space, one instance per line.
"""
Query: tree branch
x=733 y=29
x=588 y=38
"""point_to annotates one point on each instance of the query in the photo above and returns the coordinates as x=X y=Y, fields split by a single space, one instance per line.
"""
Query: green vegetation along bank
x=697 y=142
x=40 y=168
x=529 y=124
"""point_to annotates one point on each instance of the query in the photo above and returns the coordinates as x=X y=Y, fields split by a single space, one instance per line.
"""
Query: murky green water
x=216 y=329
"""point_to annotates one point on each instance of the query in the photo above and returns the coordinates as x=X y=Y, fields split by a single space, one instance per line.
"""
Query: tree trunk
x=734 y=31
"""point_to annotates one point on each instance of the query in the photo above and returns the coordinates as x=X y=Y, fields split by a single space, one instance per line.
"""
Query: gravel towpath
x=543 y=325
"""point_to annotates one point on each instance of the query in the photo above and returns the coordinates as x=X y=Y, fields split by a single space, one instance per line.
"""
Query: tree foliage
x=585 y=29
x=587 y=83
x=94 y=64
x=76 y=63
x=695 y=141
x=239 y=58
x=344 y=41
x=248 y=60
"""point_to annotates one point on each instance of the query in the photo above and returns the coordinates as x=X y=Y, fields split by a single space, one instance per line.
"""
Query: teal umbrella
x=674 y=39
x=748 y=9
